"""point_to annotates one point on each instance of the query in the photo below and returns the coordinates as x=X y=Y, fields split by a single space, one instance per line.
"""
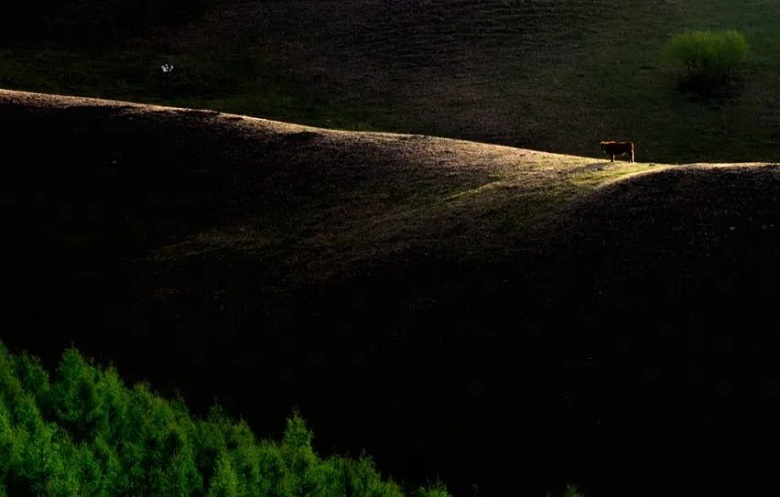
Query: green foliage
x=327 y=479
x=363 y=479
x=86 y=433
x=276 y=481
x=296 y=444
x=569 y=491
x=115 y=399
x=224 y=482
x=709 y=59
x=73 y=398
x=434 y=489
x=299 y=457
x=10 y=386
x=33 y=378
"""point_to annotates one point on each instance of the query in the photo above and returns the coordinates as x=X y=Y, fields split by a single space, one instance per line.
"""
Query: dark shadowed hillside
x=499 y=316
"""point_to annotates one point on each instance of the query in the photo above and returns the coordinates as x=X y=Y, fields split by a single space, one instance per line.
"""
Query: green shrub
x=707 y=61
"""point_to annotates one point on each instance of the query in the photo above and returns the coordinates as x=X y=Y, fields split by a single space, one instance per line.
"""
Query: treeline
x=88 y=21
x=84 y=432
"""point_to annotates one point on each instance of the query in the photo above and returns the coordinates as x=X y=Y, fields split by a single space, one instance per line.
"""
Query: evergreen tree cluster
x=84 y=432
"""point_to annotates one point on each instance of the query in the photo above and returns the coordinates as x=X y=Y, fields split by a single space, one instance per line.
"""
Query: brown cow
x=613 y=148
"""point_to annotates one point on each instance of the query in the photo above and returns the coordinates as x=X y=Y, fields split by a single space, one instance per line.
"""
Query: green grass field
x=550 y=76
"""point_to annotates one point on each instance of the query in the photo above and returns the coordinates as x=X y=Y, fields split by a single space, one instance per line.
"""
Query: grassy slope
x=199 y=241
x=554 y=76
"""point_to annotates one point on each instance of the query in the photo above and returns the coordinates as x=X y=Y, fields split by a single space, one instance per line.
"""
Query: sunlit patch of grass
x=601 y=176
x=236 y=241
x=511 y=203
x=412 y=213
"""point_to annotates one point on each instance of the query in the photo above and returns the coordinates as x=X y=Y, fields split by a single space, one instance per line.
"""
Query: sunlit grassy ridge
x=321 y=198
x=390 y=194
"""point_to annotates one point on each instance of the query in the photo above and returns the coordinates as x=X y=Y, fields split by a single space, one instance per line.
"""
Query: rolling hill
x=546 y=75
x=501 y=316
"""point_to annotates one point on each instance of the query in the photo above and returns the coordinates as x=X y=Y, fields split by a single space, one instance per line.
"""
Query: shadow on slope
x=665 y=291
x=631 y=335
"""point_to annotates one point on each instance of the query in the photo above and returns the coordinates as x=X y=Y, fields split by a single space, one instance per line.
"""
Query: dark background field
x=552 y=75
x=499 y=317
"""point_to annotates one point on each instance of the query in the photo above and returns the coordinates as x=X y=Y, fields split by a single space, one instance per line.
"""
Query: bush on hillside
x=708 y=61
